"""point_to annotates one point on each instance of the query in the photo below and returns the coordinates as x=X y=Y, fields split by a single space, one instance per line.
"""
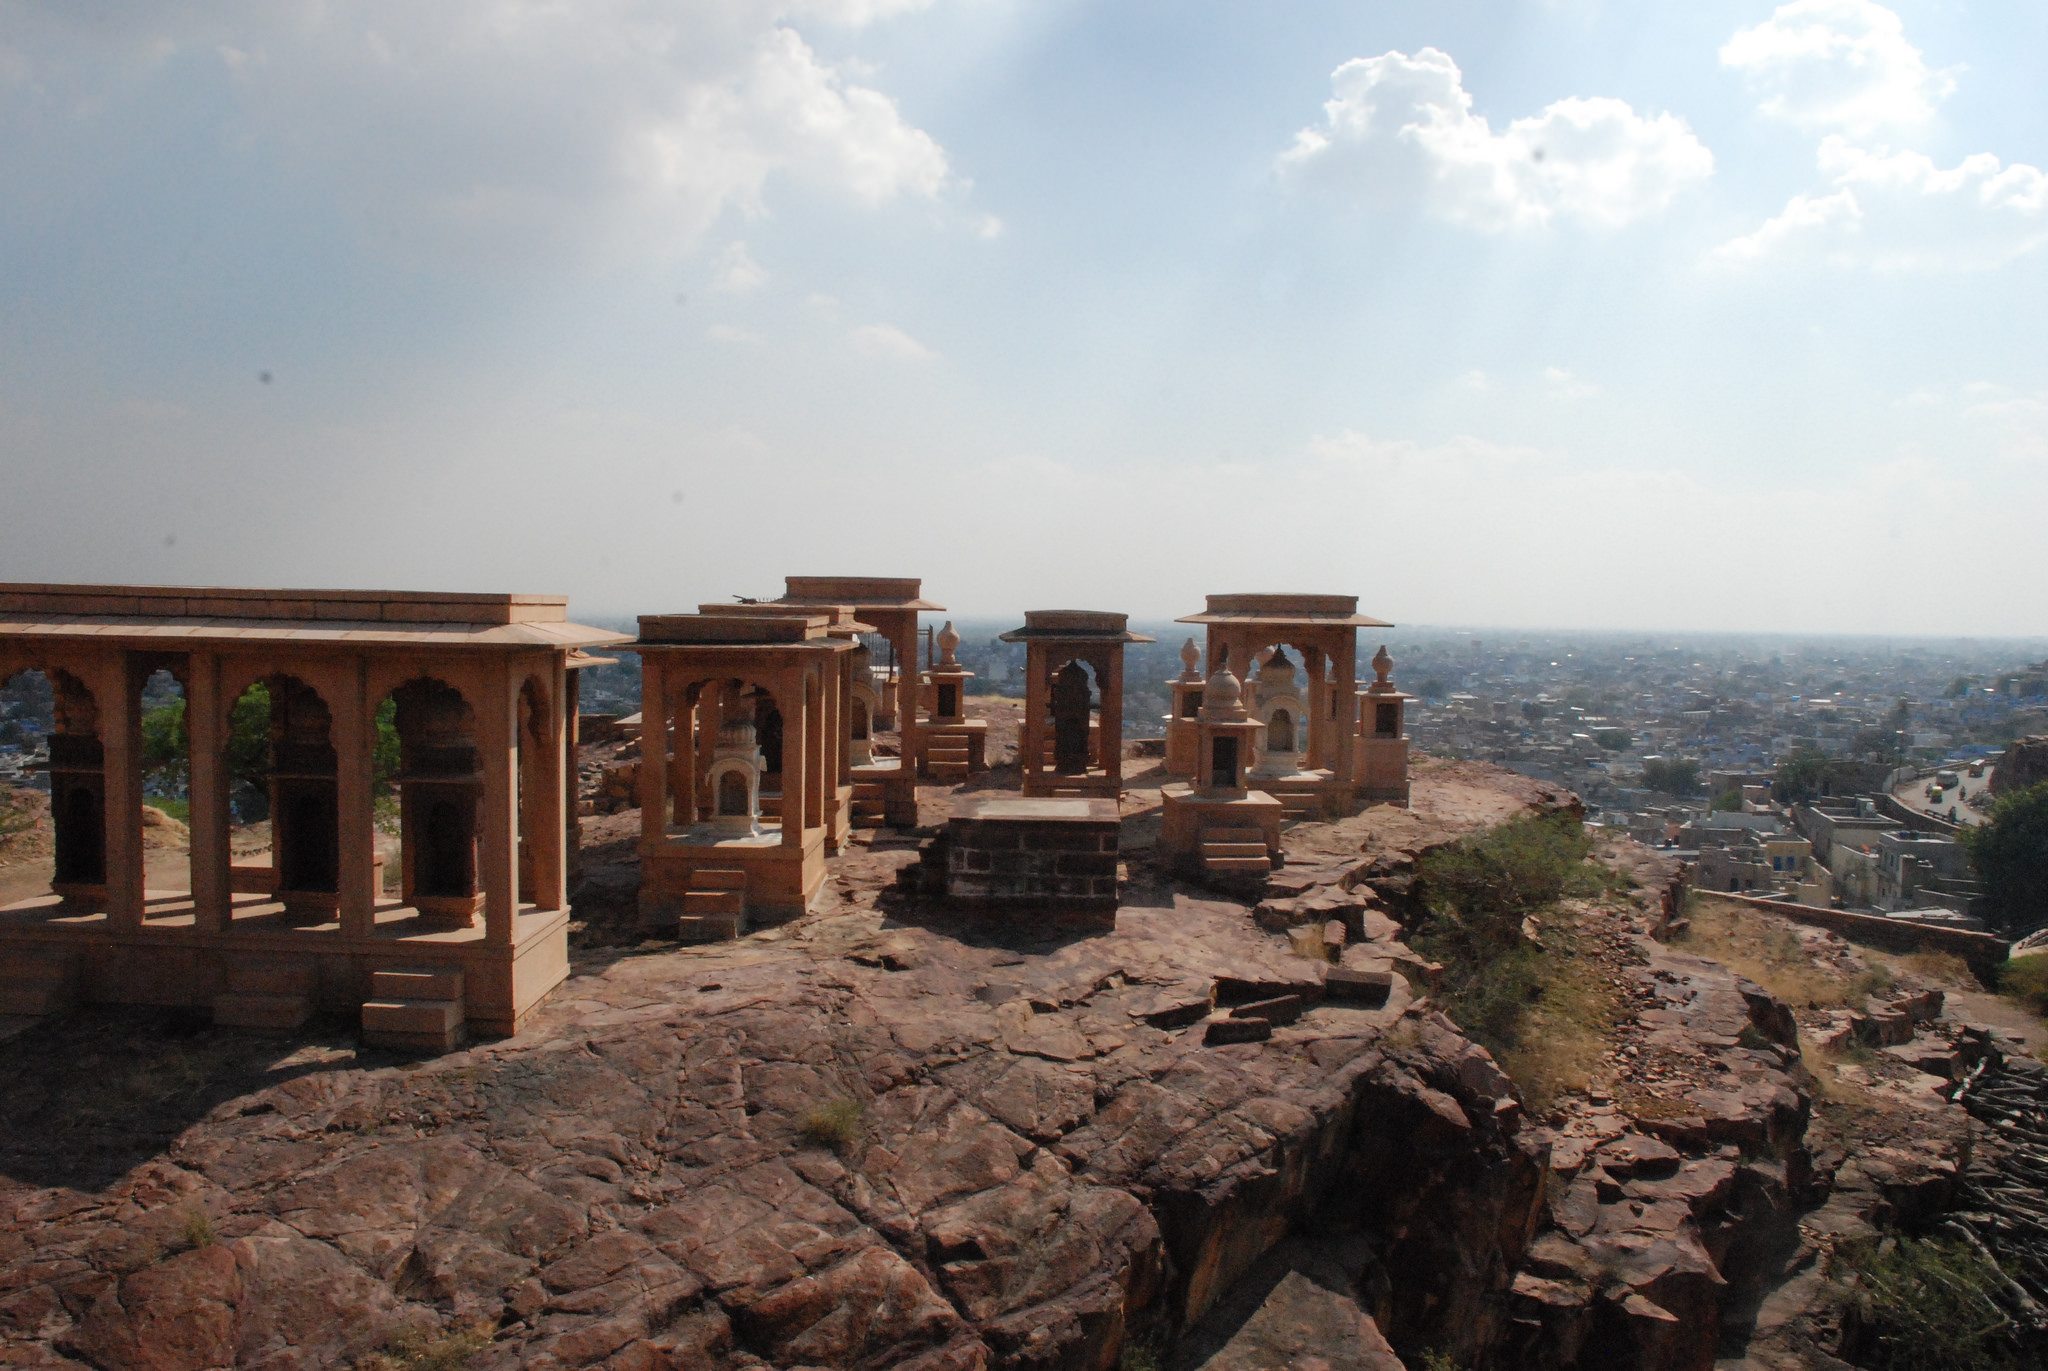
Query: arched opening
x=1072 y=707
x=305 y=825
x=681 y=755
x=54 y=720
x=733 y=766
x=768 y=732
x=1278 y=703
x=535 y=773
x=166 y=790
x=1280 y=731
x=440 y=784
x=81 y=857
x=281 y=772
x=860 y=723
x=446 y=865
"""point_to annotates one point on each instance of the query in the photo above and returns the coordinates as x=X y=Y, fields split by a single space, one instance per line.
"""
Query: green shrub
x=198 y=1229
x=2010 y=854
x=1490 y=882
x=17 y=815
x=1477 y=893
x=836 y=1125
x=2026 y=979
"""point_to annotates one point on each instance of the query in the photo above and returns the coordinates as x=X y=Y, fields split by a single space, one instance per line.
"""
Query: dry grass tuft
x=1944 y=969
x=836 y=1125
x=1567 y=1032
x=1771 y=954
x=428 y=1349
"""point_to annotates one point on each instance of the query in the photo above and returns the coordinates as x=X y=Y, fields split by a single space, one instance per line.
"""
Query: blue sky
x=1566 y=314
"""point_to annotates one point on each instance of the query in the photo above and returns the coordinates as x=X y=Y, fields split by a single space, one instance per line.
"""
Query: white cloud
x=1563 y=385
x=733 y=334
x=1839 y=64
x=490 y=126
x=736 y=272
x=889 y=342
x=1401 y=129
x=1895 y=211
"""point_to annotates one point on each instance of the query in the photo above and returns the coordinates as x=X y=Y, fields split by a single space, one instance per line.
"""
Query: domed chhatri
x=463 y=930
x=1072 y=742
x=1313 y=761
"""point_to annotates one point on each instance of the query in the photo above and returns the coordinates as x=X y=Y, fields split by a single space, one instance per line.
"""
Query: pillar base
x=1219 y=835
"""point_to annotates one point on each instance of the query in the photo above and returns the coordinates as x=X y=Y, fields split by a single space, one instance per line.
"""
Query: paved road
x=1914 y=795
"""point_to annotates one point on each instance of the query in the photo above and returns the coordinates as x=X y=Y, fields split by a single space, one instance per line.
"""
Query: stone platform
x=1007 y=851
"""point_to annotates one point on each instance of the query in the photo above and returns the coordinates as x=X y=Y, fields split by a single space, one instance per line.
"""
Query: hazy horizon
x=1535 y=313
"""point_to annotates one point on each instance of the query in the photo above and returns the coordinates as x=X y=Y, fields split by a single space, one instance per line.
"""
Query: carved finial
x=1382 y=664
x=1223 y=696
x=949 y=642
x=1189 y=656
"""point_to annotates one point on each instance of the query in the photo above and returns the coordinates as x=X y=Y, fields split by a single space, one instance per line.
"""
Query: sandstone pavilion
x=459 y=924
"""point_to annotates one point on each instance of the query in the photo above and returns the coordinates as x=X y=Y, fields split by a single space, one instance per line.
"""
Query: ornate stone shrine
x=883 y=787
x=1382 y=767
x=1183 y=751
x=739 y=752
x=1072 y=741
x=1218 y=825
x=1323 y=718
x=951 y=745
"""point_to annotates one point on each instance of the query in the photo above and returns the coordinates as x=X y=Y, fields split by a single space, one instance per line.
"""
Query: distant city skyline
x=1550 y=315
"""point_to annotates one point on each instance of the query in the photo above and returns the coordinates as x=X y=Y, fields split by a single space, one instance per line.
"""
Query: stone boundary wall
x=1909 y=817
x=1983 y=951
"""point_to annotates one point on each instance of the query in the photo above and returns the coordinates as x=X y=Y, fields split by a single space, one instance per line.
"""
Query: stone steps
x=947 y=757
x=266 y=997
x=714 y=907
x=415 y=1009
x=1248 y=865
x=1297 y=801
x=1211 y=848
x=33 y=981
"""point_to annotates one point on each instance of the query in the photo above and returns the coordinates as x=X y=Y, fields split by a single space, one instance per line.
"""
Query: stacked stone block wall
x=1023 y=861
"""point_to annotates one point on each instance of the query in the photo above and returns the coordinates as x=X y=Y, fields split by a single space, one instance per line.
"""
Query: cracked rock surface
x=851 y=1141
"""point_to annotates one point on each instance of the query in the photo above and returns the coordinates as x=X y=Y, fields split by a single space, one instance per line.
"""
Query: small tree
x=1802 y=776
x=164 y=748
x=2010 y=852
x=1672 y=775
